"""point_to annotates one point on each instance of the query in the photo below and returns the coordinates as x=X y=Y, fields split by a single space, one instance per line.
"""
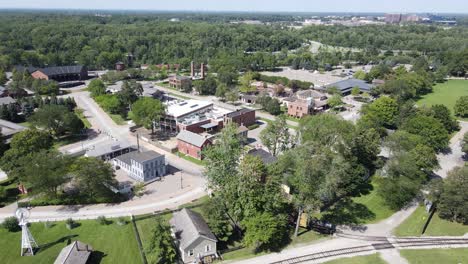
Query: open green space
x=269 y=121
x=445 y=93
x=414 y=224
x=9 y=192
x=375 y=204
x=80 y=114
x=369 y=259
x=191 y=159
x=118 y=119
x=441 y=255
x=111 y=243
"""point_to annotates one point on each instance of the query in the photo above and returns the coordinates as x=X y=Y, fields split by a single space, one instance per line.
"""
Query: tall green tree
x=453 y=204
x=218 y=221
x=160 y=249
x=57 y=120
x=265 y=231
x=23 y=144
x=45 y=172
x=430 y=129
x=384 y=110
x=92 y=177
x=97 y=87
x=147 y=112
x=461 y=107
x=276 y=136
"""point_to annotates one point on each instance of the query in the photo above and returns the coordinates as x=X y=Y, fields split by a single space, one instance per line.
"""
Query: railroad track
x=381 y=245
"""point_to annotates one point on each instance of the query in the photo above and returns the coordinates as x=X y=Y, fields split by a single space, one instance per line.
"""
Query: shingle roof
x=139 y=157
x=53 y=71
x=75 y=253
x=265 y=156
x=346 y=85
x=192 y=138
x=189 y=226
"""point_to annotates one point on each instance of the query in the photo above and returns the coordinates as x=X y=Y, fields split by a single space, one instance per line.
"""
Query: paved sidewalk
x=455 y=158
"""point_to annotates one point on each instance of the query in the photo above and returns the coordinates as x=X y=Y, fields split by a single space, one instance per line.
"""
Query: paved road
x=101 y=121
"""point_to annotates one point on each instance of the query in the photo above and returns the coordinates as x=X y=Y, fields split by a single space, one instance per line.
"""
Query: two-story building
x=196 y=242
x=142 y=166
x=178 y=82
x=192 y=144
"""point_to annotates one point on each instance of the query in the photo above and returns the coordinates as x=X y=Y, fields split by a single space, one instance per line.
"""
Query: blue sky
x=455 y=6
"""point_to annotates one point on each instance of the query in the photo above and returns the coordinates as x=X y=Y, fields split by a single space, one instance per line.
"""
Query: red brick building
x=242 y=117
x=62 y=73
x=183 y=83
x=192 y=144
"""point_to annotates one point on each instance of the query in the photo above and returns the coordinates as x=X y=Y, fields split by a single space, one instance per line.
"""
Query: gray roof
x=192 y=138
x=139 y=157
x=239 y=112
x=189 y=226
x=53 y=71
x=7 y=100
x=75 y=253
x=106 y=148
x=264 y=155
x=180 y=77
x=345 y=86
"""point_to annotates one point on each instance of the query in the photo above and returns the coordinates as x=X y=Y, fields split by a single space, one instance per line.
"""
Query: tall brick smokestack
x=192 y=73
x=202 y=70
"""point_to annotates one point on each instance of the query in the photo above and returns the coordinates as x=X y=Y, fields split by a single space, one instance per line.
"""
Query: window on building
x=208 y=248
x=190 y=252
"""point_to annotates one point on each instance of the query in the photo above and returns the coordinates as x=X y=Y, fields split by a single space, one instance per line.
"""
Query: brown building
x=119 y=66
x=62 y=73
x=180 y=82
x=306 y=102
x=242 y=117
x=192 y=144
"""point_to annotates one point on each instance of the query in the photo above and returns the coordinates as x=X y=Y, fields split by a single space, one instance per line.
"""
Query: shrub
x=254 y=126
x=48 y=224
x=11 y=224
x=121 y=221
x=102 y=220
x=70 y=223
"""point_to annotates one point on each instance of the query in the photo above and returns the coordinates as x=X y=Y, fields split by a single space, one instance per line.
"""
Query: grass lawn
x=442 y=255
x=369 y=259
x=79 y=113
x=445 y=93
x=67 y=140
x=112 y=243
x=118 y=119
x=269 y=121
x=413 y=225
x=191 y=159
x=145 y=227
x=375 y=204
x=179 y=96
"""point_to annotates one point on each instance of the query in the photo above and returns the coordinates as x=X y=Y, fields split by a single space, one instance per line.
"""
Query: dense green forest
x=41 y=39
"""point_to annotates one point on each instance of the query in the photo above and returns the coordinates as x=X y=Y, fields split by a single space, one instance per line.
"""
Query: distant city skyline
x=394 y=6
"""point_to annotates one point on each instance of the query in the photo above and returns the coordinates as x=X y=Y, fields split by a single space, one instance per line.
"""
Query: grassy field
x=79 y=113
x=370 y=259
x=413 y=225
x=445 y=93
x=191 y=159
x=424 y=256
x=111 y=243
x=374 y=204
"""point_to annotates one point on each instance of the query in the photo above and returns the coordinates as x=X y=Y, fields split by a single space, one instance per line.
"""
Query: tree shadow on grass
x=347 y=212
x=61 y=240
x=96 y=257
